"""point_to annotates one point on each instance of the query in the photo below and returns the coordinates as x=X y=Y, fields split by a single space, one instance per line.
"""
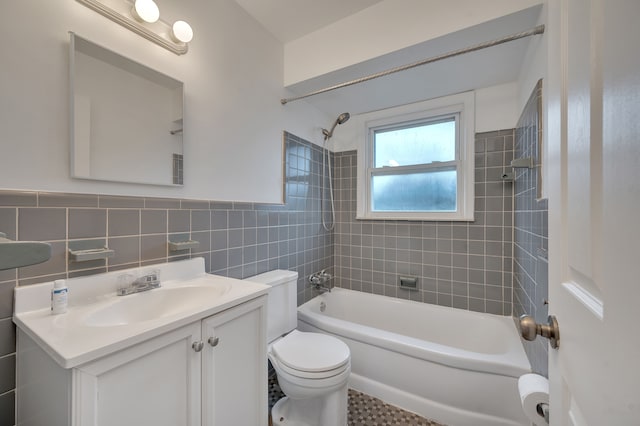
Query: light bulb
x=182 y=32
x=145 y=10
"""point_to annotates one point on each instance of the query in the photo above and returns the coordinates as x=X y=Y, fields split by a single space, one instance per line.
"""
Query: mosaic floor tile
x=365 y=410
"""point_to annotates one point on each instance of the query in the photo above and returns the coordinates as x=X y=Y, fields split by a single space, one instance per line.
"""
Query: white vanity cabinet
x=211 y=372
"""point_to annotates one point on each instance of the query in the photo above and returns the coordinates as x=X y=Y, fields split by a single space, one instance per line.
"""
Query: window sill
x=419 y=218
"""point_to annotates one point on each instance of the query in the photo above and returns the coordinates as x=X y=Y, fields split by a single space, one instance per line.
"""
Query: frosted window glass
x=420 y=144
x=429 y=191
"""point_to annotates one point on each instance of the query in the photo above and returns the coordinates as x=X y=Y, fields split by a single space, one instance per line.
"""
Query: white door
x=594 y=210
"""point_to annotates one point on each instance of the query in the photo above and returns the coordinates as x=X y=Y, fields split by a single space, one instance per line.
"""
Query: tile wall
x=531 y=230
x=465 y=265
x=236 y=239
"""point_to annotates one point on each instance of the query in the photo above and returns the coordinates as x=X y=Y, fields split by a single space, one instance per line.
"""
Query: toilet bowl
x=313 y=369
x=313 y=372
x=310 y=364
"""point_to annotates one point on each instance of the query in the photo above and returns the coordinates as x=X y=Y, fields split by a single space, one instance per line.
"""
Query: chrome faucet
x=318 y=279
x=143 y=283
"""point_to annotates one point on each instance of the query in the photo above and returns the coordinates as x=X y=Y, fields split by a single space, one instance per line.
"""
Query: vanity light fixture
x=143 y=18
x=181 y=32
x=145 y=10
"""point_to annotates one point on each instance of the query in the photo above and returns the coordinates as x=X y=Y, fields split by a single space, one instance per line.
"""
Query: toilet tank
x=282 y=304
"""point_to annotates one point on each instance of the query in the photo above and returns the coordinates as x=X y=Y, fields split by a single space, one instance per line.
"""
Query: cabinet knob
x=197 y=346
x=213 y=341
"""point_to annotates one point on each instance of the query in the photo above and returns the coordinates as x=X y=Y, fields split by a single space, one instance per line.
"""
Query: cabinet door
x=153 y=383
x=234 y=366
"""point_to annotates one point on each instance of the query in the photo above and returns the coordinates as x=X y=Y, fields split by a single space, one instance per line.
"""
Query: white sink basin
x=99 y=323
x=154 y=304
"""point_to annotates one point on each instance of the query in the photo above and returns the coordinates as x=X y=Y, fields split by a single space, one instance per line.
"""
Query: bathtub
x=453 y=366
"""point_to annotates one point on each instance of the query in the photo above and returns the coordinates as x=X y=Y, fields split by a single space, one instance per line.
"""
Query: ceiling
x=291 y=19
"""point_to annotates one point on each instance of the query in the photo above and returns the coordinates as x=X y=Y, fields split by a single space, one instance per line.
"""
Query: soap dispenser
x=59 y=295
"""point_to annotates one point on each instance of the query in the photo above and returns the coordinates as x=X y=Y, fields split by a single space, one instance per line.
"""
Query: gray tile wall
x=236 y=239
x=465 y=265
x=531 y=230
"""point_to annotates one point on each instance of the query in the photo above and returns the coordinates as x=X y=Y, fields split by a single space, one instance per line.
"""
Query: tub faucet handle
x=317 y=280
x=314 y=279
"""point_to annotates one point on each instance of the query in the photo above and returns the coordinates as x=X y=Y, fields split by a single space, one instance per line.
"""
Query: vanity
x=191 y=352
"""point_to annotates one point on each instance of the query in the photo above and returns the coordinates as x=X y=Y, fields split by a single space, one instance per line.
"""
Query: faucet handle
x=314 y=279
x=124 y=281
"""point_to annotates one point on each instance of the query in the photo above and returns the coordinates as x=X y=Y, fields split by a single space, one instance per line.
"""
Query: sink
x=154 y=304
x=99 y=323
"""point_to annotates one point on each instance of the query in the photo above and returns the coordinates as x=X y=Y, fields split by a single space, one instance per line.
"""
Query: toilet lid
x=311 y=351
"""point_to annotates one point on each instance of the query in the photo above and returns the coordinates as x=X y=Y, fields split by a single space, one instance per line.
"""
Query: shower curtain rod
x=534 y=31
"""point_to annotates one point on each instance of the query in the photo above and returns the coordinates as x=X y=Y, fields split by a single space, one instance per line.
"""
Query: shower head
x=342 y=118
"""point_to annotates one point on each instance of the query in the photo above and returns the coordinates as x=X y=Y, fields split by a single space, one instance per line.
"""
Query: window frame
x=460 y=106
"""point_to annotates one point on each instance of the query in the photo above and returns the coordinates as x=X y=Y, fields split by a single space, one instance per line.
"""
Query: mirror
x=126 y=119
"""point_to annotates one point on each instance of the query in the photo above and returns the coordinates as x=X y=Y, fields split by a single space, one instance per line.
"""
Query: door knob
x=197 y=346
x=213 y=341
x=530 y=329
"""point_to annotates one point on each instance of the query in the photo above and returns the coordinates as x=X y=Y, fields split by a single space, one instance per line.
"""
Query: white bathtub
x=454 y=366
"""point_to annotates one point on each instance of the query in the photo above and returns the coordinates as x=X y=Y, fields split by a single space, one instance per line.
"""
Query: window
x=416 y=162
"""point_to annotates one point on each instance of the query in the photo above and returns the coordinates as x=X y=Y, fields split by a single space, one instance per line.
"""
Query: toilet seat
x=306 y=375
x=337 y=377
x=311 y=355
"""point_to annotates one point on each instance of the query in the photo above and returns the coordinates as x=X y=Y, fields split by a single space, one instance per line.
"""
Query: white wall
x=233 y=82
x=495 y=110
x=365 y=35
x=233 y=77
x=534 y=66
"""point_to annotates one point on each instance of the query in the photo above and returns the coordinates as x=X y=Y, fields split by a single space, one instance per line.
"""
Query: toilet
x=313 y=369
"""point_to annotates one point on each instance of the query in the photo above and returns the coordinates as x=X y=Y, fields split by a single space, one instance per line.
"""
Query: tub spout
x=321 y=288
